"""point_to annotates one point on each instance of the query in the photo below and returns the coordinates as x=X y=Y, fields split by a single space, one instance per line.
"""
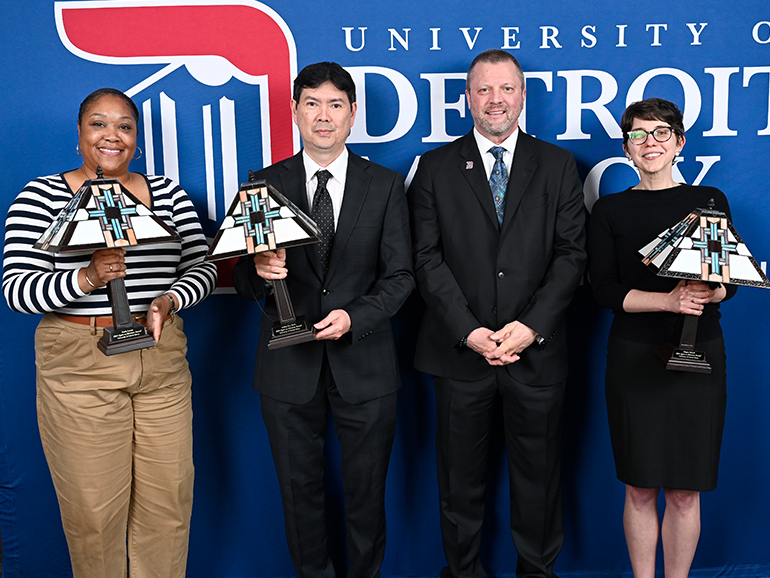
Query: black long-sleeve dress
x=666 y=426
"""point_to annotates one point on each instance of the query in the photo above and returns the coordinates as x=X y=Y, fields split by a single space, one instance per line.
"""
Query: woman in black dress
x=666 y=426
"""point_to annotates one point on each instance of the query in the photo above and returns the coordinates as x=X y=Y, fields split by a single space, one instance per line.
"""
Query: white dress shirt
x=485 y=144
x=336 y=185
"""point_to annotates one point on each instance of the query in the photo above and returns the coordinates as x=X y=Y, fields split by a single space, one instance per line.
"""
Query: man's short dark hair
x=314 y=75
x=494 y=56
x=652 y=109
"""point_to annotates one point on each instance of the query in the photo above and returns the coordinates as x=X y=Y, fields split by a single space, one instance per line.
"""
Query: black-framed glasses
x=660 y=134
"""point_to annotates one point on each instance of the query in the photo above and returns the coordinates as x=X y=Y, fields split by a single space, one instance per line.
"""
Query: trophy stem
x=685 y=357
x=126 y=334
x=689 y=330
x=121 y=312
x=289 y=329
x=283 y=302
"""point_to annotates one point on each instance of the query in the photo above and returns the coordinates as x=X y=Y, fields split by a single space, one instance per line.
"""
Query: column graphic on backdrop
x=225 y=111
x=258 y=50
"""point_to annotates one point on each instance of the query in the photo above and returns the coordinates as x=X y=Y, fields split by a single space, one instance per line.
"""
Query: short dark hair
x=97 y=94
x=314 y=75
x=652 y=109
x=494 y=56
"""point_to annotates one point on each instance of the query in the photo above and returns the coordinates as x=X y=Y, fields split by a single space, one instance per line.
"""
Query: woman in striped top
x=116 y=430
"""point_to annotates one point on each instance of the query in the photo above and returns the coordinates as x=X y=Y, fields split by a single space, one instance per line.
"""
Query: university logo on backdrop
x=222 y=96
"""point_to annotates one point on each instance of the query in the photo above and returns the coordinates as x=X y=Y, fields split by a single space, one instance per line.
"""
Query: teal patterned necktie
x=498 y=182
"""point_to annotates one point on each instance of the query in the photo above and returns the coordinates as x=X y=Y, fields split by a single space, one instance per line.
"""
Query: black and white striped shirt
x=36 y=281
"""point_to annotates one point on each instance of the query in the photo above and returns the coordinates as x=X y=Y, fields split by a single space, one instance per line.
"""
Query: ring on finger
x=110 y=267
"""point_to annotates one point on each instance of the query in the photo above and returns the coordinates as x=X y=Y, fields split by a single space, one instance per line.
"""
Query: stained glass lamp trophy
x=262 y=219
x=703 y=246
x=104 y=214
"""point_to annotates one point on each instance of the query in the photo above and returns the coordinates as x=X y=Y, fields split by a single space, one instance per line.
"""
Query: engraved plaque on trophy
x=261 y=219
x=684 y=357
x=104 y=214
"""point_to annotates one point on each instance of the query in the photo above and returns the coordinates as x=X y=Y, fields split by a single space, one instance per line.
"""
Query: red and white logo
x=215 y=41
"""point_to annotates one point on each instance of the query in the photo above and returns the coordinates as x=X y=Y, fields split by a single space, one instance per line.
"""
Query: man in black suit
x=351 y=286
x=498 y=229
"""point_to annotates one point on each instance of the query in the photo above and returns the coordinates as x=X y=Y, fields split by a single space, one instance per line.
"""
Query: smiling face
x=107 y=136
x=496 y=98
x=653 y=158
x=324 y=117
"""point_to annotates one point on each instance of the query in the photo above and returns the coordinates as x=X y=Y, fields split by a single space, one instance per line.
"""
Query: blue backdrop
x=212 y=82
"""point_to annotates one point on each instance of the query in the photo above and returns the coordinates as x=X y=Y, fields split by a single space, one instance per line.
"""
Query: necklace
x=83 y=170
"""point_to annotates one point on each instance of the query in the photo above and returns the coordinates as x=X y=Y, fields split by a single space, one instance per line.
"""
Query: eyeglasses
x=639 y=136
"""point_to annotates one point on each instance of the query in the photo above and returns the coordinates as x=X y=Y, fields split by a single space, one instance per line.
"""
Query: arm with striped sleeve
x=197 y=279
x=35 y=281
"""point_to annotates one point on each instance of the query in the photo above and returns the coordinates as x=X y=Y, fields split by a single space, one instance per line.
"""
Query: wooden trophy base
x=291 y=333
x=116 y=340
x=683 y=358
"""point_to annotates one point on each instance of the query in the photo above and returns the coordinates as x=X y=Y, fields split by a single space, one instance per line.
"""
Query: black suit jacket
x=370 y=276
x=473 y=273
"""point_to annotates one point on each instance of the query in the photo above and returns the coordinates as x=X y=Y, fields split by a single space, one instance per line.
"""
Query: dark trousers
x=532 y=422
x=297 y=437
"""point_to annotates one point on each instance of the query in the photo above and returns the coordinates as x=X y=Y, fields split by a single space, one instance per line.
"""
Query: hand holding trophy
x=703 y=246
x=105 y=214
x=261 y=219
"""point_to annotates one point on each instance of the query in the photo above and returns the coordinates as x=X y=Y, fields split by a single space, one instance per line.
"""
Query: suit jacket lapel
x=476 y=175
x=357 y=182
x=519 y=176
x=293 y=187
x=293 y=182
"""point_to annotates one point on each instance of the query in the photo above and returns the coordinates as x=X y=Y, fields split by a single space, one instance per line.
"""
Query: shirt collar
x=485 y=144
x=338 y=167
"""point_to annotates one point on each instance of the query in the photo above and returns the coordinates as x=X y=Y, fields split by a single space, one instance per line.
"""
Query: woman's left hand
x=157 y=313
x=701 y=293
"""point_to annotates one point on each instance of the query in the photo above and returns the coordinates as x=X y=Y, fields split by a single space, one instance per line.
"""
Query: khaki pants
x=117 y=434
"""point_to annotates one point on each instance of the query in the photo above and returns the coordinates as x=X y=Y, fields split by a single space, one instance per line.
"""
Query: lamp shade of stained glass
x=104 y=214
x=261 y=219
x=704 y=246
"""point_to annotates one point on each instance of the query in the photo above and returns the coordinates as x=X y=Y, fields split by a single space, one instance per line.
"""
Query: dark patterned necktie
x=498 y=182
x=323 y=215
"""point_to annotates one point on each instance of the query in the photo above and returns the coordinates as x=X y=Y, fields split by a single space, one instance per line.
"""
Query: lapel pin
x=468 y=165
